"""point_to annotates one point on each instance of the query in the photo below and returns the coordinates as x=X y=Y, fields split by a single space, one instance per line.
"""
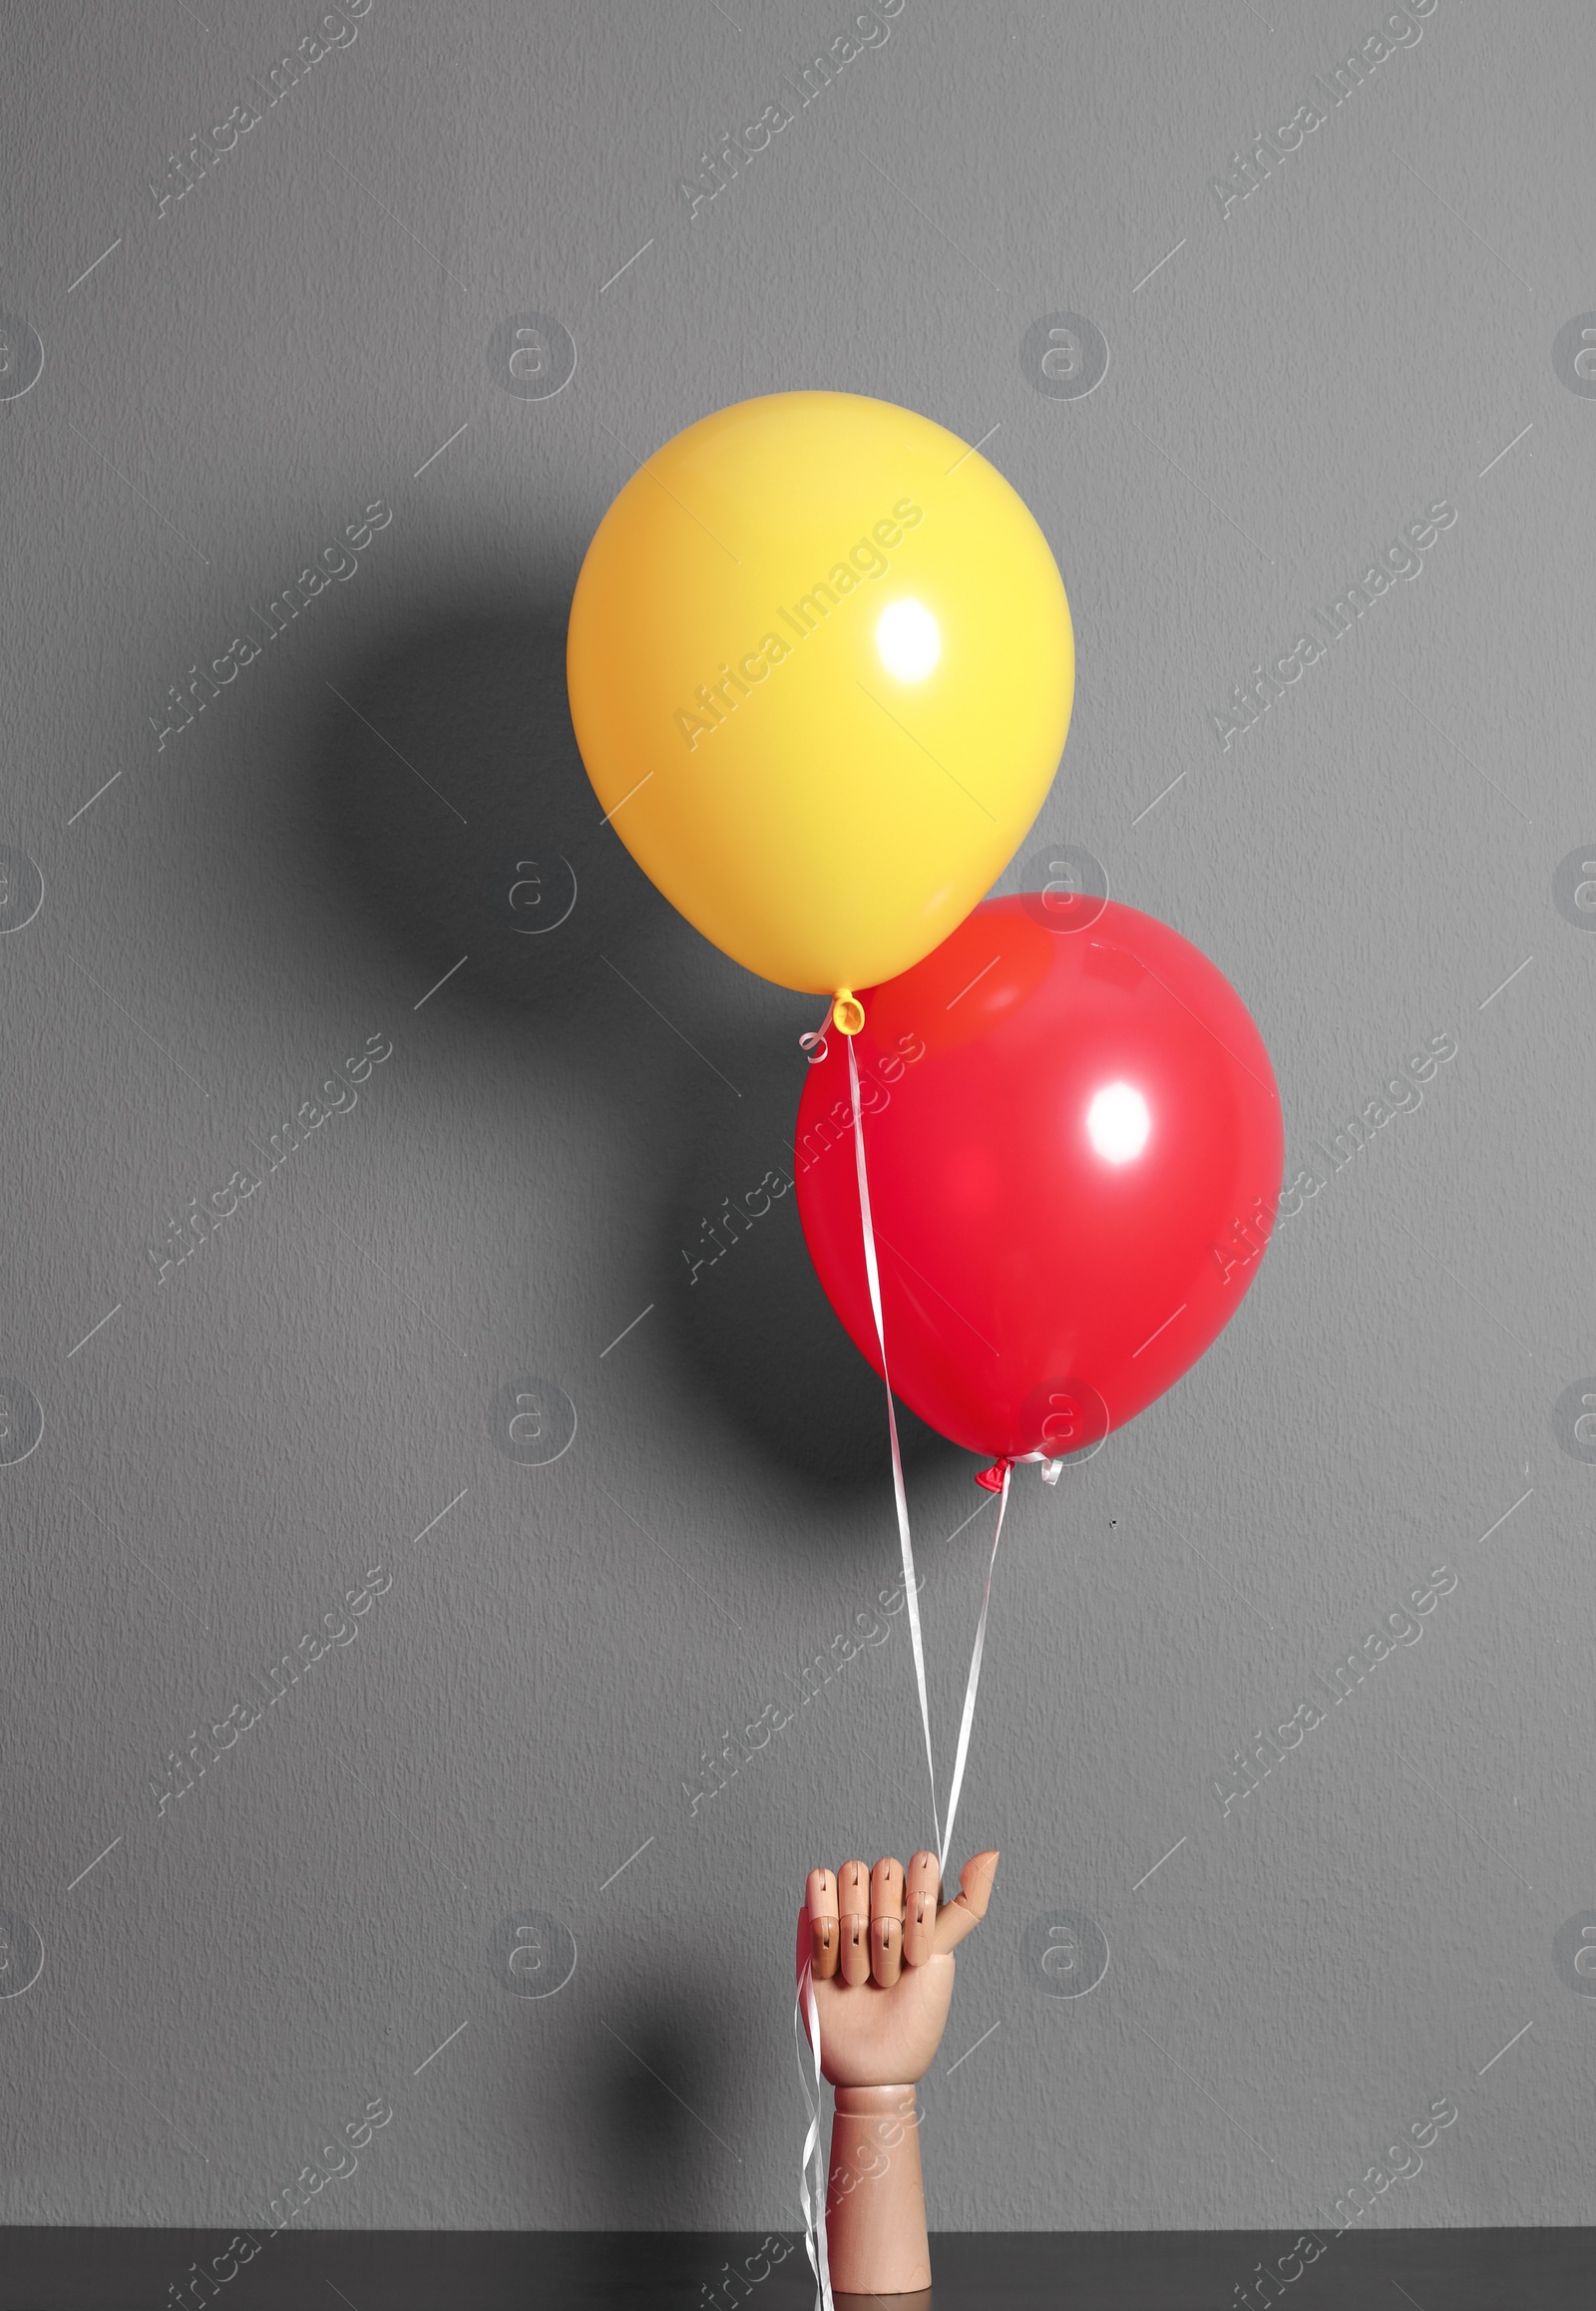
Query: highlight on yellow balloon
x=821 y=666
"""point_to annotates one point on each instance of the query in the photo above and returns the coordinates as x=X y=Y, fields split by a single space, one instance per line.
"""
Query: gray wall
x=325 y=1388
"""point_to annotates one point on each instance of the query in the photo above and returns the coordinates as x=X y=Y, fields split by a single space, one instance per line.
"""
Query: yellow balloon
x=821 y=666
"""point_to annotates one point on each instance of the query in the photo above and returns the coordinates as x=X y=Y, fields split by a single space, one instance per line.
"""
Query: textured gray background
x=527 y=1704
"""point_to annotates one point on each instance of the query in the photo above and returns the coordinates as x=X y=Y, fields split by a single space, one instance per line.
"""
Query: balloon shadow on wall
x=744 y=1310
x=451 y=808
x=641 y=2088
x=455 y=813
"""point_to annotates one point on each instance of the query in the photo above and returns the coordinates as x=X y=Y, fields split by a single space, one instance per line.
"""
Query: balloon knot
x=847 y=1012
x=991 y=1479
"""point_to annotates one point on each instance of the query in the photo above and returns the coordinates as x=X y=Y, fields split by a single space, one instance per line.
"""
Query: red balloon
x=1073 y=1143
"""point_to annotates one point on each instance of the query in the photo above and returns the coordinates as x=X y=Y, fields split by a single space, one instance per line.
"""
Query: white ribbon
x=814 y=2206
x=974 y=1680
x=911 y=1593
x=1051 y=1468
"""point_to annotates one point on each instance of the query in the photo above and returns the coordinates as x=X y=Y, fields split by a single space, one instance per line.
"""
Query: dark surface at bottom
x=1434 y=2270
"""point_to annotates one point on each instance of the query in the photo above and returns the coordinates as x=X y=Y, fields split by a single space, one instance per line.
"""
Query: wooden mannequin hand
x=881 y=1951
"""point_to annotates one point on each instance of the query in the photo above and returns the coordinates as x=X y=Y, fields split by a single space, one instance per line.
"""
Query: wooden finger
x=919 y=1908
x=820 y=1899
x=886 y=1950
x=887 y=1890
x=853 y=1904
x=963 y=1914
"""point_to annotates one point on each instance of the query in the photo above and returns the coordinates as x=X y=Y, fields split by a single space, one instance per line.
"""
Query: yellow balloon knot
x=847 y=1012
